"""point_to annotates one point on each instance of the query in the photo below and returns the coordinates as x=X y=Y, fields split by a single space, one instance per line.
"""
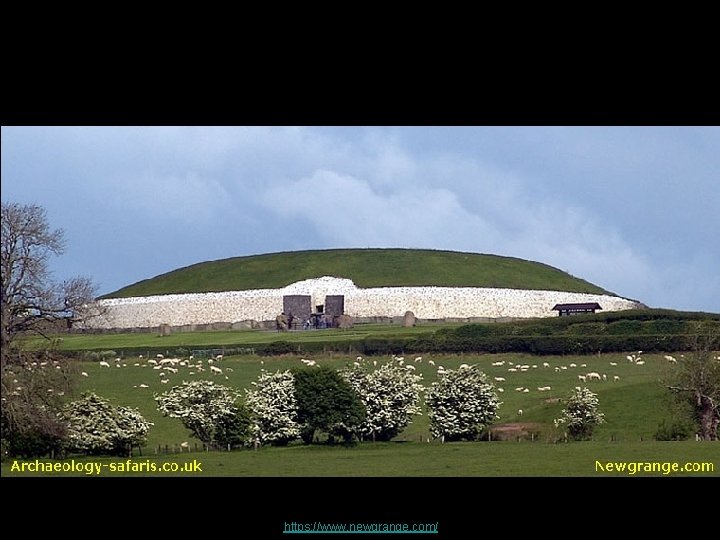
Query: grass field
x=366 y=267
x=79 y=342
x=421 y=459
x=633 y=406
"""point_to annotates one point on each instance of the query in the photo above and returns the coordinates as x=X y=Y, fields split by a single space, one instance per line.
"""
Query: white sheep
x=104 y=364
x=546 y=365
x=215 y=369
x=582 y=378
x=520 y=412
x=500 y=379
x=84 y=374
x=616 y=377
x=593 y=375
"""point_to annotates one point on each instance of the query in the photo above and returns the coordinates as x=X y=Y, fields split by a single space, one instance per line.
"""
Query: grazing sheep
x=545 y=364
x=593 y=375
x=616 y=377
x=144 y=386
x=500 y=379
x=215 y=369
x=640 y=363
x=613 y=363
x=520 y=412
x=429 y=362
x=604 y=376
x=573 y=365
x=582 y=378
x=104 y=364
x=84 y=374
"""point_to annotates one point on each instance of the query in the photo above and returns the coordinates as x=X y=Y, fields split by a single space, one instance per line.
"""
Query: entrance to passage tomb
x=298 y=309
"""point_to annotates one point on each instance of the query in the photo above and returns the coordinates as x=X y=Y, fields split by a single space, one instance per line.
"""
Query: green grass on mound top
x=366 y=267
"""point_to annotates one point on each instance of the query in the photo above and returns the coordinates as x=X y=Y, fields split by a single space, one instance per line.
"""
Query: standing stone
x=343 y=321
x=165 y=329
x=409 y=319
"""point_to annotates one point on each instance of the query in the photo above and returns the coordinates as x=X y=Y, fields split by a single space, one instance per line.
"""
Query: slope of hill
x=365 y=267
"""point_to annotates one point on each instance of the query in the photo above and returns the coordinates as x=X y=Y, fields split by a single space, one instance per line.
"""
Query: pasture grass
x=220 y=338
x=461 y=459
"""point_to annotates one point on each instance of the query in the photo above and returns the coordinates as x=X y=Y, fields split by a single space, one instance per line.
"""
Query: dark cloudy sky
x=635 y=210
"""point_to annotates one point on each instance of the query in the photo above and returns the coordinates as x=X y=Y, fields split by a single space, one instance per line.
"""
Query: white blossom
x=581 y=413
x=96 y=427
x=391 y=395
x=461 y=404
x=204 y=407
x=273 y=408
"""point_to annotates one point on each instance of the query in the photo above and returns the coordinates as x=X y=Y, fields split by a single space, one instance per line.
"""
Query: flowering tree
x=273 y=408
x=461 y=404
x=210 y=411
x=581 y=413
x=94 y=426
x=391 y=395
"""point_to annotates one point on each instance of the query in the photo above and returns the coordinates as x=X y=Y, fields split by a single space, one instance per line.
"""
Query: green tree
x=326 y=402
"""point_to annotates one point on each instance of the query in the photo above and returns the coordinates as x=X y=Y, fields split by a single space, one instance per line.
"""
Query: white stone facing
x=265 y=304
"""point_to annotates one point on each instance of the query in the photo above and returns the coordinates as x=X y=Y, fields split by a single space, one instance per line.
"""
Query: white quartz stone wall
x=265 y=304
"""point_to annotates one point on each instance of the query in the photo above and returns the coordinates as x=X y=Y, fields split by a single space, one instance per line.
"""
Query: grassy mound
x=366 y=267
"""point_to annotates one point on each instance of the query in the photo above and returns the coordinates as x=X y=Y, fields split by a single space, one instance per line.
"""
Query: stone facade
x=265 y=304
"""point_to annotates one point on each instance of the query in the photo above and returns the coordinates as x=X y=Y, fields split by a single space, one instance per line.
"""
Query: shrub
x=581 y=413
x=96 y=427
x=210 y=411
x=390 y=394
x=327 y=402
x=461 y=404
x=273 y=408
